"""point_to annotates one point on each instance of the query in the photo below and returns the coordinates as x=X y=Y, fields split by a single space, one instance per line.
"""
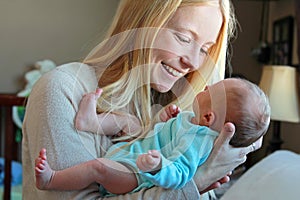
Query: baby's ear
x=209 y=118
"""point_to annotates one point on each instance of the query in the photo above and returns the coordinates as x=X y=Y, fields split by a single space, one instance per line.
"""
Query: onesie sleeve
x=180 y=166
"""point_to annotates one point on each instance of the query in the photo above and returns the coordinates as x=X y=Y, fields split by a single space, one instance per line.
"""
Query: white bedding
x=275 y=177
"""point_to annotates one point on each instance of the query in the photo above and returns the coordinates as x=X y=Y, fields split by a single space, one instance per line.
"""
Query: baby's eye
x=183 y=38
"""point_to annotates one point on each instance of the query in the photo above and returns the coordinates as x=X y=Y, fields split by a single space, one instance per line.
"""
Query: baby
x=168 y=156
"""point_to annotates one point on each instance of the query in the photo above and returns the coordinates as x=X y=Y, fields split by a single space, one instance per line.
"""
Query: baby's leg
x=149 y=162
x=116 y=178
x=86 y=118
x=74 y=178
x=113 y=176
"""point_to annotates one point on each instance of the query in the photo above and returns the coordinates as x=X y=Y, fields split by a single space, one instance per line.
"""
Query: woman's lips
x=172 y=71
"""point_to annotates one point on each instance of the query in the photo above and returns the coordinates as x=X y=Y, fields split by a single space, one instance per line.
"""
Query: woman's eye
x=204 y=51
x=183 y=38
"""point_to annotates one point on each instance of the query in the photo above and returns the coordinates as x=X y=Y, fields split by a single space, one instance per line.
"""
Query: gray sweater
x=49 y=123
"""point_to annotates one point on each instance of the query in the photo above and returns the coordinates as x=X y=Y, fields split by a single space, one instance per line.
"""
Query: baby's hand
x=149 y=162
x=169 y=112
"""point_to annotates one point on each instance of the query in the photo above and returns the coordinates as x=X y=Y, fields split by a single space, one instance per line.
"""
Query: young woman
x=157 y=52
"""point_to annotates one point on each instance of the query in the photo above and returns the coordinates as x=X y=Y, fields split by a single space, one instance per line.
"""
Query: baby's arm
x=87 y=118
x=169 y=112
x=149 y=162
x=113 y=176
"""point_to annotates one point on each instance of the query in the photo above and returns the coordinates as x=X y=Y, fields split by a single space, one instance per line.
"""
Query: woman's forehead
x=203 y=21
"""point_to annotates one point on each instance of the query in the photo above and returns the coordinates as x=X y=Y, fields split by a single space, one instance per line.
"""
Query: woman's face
x=183 y=43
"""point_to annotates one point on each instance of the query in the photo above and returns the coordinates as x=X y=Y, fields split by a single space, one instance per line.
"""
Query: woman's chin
x=161 y=88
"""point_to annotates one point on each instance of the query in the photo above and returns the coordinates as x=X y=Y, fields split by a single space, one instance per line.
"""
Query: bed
x=10 y=149
x=274 y=177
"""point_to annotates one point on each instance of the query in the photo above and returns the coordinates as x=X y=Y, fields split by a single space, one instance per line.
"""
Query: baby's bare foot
x=86 y=118
x=43 y=172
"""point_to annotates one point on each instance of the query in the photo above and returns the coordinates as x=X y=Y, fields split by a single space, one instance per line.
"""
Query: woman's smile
x=172 y=71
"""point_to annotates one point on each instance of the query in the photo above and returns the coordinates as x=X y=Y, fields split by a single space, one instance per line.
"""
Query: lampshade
x=280 y=85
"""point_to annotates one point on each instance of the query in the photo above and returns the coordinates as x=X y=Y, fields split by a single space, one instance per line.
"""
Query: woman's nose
x=193 y=60
x=191 y=64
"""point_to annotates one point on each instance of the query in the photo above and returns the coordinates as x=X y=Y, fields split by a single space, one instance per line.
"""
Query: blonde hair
x=249 y=110
x=126 y=86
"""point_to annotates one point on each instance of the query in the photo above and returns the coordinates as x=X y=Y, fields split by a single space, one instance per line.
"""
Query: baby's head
x=238 y=101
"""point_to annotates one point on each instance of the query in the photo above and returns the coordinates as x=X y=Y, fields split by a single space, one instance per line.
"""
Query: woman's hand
x=222 y=160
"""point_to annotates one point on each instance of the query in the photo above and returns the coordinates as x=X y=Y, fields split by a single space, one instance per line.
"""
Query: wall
x=248 y=14
x=33 y=30
x=247 y=39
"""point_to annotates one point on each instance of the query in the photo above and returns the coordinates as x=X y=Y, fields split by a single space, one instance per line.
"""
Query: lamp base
x=276 y=141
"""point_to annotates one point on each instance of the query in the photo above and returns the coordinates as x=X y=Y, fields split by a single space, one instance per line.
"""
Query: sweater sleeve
x=49 y=123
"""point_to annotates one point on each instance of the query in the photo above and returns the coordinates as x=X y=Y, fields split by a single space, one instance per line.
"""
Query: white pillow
x=275 y=177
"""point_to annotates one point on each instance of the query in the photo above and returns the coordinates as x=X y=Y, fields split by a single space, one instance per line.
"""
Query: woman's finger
x=226 y=134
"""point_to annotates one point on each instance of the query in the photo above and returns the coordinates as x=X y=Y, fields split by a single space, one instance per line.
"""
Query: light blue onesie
x=184 y=146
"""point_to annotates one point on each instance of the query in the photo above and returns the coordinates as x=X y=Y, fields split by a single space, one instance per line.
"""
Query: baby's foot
x=149 y=162
x=86 y=118
x=43 y=172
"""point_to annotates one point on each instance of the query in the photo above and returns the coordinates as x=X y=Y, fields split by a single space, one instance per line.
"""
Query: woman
x=156 y=53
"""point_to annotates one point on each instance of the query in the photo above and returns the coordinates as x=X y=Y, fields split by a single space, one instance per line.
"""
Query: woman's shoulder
x=71 y=72
x=69 y=76
x=76 y=68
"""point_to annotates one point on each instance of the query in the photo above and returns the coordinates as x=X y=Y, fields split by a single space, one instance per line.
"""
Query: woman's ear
x=209 y=118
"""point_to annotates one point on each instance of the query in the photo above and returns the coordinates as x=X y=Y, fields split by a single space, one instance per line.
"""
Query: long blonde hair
x=127 y=45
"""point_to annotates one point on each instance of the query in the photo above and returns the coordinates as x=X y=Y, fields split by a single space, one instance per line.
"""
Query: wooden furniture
x=7 y=101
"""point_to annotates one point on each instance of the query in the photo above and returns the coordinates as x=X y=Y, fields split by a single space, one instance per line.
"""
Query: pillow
x=274 y=177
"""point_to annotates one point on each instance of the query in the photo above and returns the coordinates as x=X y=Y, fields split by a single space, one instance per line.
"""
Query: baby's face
x=201 y=104
x=210 y=106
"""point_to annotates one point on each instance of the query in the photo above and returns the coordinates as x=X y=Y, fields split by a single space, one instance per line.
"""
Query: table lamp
x=279 y=82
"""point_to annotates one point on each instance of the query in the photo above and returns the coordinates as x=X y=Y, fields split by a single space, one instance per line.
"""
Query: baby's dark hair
x=249 y=110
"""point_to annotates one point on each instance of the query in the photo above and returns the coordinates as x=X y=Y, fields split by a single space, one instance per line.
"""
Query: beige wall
x=248 y=14
x=60 y=30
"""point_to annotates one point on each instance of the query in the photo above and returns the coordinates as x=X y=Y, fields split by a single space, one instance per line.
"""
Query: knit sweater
x=49 y=123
